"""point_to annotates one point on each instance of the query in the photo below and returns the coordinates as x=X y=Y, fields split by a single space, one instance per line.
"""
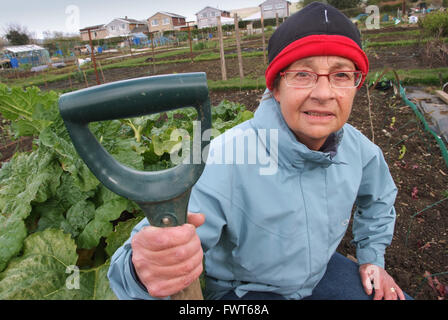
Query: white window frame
x=166 y=21
x=279 y=6
x=155 y=22
x=267 y=8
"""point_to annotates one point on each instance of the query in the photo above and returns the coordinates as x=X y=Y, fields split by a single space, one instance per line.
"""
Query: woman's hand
x=167 y=260
x=383 y=284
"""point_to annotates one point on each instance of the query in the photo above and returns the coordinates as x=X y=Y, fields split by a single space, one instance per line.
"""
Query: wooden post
x=101 y=70
x=85 y=78
x=130 y=45
x=70 y=80
x=92 y=53
x=221 y=50
x=238 y=47
x=276 y=19
x=262 y=36
x=190 y=40
x=153 y=54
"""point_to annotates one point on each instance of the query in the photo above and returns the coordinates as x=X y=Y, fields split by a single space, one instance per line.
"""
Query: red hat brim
x=318 y=45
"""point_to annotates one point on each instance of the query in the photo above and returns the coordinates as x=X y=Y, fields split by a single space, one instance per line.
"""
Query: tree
x=2 y=42
x=17 y=35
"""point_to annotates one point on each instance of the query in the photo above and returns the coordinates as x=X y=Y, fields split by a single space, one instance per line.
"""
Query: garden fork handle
x=162 y=195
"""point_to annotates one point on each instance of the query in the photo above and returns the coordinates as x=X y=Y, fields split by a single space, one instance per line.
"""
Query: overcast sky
x=70 y=15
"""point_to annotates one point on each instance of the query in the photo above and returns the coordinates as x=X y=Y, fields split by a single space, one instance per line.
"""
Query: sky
x=68 y=16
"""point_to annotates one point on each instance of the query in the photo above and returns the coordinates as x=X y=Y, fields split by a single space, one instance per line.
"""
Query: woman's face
x=314 y=113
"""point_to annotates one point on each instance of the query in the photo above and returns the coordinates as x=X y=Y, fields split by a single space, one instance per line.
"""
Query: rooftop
x=23 y=48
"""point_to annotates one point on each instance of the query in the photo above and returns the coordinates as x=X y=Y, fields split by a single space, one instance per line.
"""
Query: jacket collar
x=291 y=152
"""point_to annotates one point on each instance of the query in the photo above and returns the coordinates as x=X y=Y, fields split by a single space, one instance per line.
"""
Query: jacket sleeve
x=122 y=276
x=374 y=217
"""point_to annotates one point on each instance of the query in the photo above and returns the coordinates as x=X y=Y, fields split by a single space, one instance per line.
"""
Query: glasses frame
x=317 y=75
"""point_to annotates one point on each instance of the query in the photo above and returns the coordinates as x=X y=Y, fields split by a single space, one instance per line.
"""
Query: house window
x=267 y=8
x=204 y=15
x=122 y=26
x=166 y=21
x=112 y=28
x=280 y=6
x=155 y=22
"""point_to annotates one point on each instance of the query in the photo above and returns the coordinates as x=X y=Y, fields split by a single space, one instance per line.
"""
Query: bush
x=435 y=24
x=26 y=66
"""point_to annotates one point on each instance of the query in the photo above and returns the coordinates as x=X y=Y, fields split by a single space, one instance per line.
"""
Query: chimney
x=126 y=17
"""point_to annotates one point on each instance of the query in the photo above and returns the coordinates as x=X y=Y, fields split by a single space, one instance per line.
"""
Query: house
x=96 y=32
x=165 y=21
x=207 y=17
x=271 y=7
x=120 y=27
x=141 y=29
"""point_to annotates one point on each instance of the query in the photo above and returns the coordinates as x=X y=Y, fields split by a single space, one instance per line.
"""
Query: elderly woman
x=273 y=234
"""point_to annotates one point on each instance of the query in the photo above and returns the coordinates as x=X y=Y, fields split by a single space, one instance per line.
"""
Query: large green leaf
x=69 y=192
x=78 y=216
x=31 y=110
x=41 y=269
x=121 y=233
x=47 y=270
x=128 y=152
x=50 y=213
x=69 y=159
x=33 y=177
x=101 y=225
x=91 y=284
x=12 y=234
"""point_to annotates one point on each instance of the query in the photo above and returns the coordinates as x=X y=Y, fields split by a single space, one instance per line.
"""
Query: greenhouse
x=26 y=54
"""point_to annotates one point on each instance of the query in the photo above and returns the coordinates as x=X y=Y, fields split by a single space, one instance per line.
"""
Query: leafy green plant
x=26 y=66
x=402 y=152
x=55 y=216
x=435 y=24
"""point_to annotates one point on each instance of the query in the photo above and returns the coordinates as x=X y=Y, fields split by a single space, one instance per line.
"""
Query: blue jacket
x=275 y=217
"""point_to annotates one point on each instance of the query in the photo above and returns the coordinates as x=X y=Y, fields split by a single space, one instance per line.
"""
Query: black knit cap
x=313 y=19
x=317 y=30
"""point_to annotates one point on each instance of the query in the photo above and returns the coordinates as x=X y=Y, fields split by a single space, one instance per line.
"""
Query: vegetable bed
x=58 y=225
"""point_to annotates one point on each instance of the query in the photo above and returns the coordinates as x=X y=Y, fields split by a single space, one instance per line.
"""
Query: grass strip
x=236 y=83
x=400 y=43
x=392 y=33
x=416 y=76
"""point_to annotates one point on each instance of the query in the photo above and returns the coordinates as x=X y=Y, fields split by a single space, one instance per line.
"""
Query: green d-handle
x=163 y=195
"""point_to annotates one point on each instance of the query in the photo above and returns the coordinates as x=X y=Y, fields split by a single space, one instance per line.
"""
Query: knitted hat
x=317 y=30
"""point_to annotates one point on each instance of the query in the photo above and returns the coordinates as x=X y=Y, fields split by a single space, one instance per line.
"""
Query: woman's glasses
x=308 y=79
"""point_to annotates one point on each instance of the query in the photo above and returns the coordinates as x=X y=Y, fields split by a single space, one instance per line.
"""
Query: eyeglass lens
x=303 y=79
